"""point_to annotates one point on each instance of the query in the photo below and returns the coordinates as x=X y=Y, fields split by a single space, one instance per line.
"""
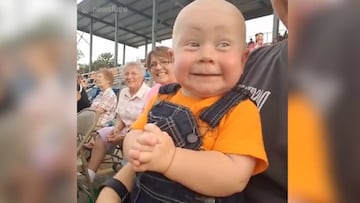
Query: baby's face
x=209 y=51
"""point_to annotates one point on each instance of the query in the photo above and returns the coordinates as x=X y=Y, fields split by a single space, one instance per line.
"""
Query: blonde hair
x=108 y=75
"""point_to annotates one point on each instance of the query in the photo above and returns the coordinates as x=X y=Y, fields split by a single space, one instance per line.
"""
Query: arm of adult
x=126 y=176
x=106 y=104
x=119 y=125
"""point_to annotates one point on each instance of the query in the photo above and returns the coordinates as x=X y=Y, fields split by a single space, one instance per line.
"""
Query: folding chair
x=112 y=156
x=86 y=122
x=115 y=159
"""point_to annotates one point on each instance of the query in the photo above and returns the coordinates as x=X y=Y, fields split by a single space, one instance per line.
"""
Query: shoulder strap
x=213 y=114
x=169 y=89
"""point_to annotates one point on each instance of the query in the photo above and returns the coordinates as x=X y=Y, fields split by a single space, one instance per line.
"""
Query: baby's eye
x=193 y=44
x=223 y=44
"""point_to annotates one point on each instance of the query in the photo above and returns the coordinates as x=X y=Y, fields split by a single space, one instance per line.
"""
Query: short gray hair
x=139 y=66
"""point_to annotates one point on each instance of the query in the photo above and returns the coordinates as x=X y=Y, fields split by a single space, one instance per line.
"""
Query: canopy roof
x=135 y=17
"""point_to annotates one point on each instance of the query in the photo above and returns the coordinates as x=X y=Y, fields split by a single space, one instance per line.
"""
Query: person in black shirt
x=265 y=75
x=82 y=97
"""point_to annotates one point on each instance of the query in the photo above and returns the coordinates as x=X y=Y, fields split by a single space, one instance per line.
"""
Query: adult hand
x=116 y=130
x=115 y=138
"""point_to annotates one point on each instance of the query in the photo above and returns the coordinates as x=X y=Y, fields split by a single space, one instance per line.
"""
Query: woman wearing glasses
x=159 y=64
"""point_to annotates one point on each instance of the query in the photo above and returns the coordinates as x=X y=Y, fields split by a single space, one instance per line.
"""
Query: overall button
x=192 y=138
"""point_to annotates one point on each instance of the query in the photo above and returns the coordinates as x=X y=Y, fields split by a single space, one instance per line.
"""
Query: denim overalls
x=179 y=122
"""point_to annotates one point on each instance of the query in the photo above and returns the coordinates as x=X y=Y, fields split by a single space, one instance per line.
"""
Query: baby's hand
x=144 y=144
x=153 y=151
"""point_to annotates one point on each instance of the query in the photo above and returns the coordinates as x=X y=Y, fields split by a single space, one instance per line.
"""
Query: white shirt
x=130 y=107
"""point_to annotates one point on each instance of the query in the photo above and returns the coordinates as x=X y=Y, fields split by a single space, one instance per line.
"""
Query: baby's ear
x=245 y=56
x=171 y=54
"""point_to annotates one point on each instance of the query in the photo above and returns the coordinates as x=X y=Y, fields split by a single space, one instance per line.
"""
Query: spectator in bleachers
x=130 y=105
x=105 y=102
x=159 y=63
x=251 y=43
x=82 y=97
x=285 y=36
x=259 y=41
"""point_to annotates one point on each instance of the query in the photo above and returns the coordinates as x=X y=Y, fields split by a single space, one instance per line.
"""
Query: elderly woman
x=130 y=105
x=159 y=64
x=104 y=103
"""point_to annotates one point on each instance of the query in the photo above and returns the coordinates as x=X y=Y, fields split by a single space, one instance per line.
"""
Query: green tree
x=83 y=68
x=104 y=60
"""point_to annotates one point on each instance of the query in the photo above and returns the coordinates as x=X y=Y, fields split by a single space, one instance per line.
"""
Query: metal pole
x=154 y=21
x=91 y=43
x=123 y=63
x=146 y=47
x=275 y=27
x=116 y=38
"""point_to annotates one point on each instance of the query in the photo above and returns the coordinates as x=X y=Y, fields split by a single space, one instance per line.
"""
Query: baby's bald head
x=209 y=48
x=208 y=12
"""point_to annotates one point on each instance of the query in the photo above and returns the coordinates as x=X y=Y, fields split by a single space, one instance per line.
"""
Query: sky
x=100 y=45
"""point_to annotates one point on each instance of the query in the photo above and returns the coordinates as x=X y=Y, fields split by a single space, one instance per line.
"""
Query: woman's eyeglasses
x=161 y=63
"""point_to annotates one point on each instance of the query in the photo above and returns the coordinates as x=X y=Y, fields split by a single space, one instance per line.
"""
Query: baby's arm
x=210 y=172
x=125 y=175
x=221 y=172
x=207 y=172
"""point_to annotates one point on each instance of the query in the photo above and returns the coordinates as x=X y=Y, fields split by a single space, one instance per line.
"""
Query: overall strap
x=213 y=114
x=169 y=88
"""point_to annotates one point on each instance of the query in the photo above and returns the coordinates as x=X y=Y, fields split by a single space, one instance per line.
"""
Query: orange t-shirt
x=239 y=131
x=308 y=172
